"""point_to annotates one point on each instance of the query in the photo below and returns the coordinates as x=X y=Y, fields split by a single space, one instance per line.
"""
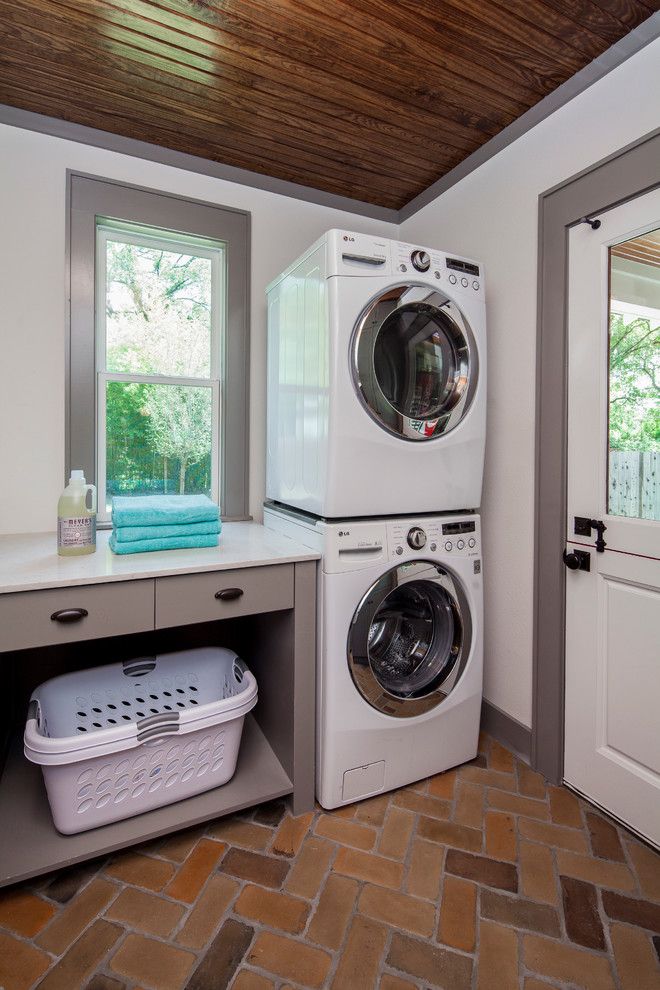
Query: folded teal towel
x=165 y=543
x=128 y=534
x=162 y=510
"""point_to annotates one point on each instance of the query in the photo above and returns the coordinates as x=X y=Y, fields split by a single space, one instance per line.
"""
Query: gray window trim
x=622 y=176
x=91 y=196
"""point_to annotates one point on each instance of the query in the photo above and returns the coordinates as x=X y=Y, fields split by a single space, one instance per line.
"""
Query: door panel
x=630 y=653
x=612 y=690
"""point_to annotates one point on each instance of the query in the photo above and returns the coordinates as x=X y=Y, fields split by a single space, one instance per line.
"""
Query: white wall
x=32 y=304
x=491 y=215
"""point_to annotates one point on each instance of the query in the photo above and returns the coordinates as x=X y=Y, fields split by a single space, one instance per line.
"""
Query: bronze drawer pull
x=69 y=615
x=229 y=594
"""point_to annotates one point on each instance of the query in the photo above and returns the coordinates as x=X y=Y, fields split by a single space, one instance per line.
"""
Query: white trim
x=632 y=309
x=122 y=376
x=193 y=246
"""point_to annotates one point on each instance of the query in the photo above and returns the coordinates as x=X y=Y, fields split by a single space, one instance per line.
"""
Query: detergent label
x=77 y=531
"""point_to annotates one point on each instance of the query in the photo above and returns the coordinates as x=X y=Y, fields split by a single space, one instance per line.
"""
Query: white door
x=612 y=707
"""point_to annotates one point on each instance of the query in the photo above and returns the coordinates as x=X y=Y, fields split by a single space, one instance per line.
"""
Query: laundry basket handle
x=138 y=666
x=163 y=724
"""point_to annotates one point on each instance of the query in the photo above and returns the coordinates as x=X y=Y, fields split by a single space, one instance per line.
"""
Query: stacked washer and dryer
x=376 y=435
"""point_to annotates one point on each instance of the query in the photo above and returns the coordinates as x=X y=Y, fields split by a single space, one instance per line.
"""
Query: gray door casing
x=628 y=173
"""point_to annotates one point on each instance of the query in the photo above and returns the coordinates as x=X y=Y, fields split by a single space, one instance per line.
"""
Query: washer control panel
x=432 y=536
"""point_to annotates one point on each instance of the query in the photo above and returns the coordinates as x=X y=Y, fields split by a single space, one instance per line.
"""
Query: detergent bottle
x=76 y=521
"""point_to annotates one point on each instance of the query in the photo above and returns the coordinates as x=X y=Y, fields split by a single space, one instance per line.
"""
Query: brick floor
x=482 y=878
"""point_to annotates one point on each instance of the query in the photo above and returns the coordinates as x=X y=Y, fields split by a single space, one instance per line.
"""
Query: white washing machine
x=400 y=648
x=376 y=379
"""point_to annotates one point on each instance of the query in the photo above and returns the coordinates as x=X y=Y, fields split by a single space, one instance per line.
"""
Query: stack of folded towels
x=163 y=522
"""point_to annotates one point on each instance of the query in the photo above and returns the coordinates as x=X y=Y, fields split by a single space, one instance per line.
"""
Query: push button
x=449 y=545
x=472 y=543
x=460 y=545
x=399 y=551
x=475 y=284
x=403 y=268
x=464 y=283
x=452 y=279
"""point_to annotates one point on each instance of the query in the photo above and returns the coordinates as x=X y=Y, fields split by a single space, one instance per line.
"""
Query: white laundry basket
x=118 y=740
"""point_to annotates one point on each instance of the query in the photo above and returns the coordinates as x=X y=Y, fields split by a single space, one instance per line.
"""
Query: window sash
x=103 y=516
x=218 y=319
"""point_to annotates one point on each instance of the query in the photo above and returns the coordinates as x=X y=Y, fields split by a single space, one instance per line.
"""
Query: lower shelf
x=31 y=845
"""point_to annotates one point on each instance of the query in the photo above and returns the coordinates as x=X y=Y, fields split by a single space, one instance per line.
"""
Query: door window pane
x=157 y=310
x=634 y=378
x=158 y=439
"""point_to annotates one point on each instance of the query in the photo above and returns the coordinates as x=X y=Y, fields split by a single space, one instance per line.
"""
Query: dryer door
x=409 y=639
x=415 y=362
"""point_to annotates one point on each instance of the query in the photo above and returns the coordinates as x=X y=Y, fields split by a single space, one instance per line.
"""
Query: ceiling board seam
x=453 y=129
x=414 y=163
x=478 y=94
x=616 y=55
x=309 y=60
x=584 y=29
x=372 y=170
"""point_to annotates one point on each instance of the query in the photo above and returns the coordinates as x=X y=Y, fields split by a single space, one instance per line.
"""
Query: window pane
x=158 y=311
x=634 y=379
x=158 y=439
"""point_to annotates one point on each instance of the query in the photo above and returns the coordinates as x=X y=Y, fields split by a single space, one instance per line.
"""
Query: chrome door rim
x=359 y=660
x=457 y=330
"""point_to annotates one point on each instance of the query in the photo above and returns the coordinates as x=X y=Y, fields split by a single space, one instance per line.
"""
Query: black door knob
x=577 y=560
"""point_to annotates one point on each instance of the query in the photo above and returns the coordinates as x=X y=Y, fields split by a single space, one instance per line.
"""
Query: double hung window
x=158 y=325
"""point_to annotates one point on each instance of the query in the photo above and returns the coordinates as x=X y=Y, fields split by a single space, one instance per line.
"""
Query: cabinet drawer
x=223 y=594
x=30 y=618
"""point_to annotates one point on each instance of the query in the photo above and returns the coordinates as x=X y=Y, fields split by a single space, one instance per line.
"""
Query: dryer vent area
x=478 y=871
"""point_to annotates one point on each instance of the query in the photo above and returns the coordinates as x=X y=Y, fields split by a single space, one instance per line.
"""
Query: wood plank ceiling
x=373 y=99
x=645 y=249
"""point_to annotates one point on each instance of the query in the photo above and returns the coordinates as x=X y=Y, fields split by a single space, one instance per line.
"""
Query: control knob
x=416 y=538
x=421 y=261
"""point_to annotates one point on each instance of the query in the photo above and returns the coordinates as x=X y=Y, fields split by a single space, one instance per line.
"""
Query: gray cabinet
x=190 y=598
x=276 y=758
x=68 y=615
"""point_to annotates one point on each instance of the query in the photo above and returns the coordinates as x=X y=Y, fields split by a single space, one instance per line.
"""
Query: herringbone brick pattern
x=482 y=878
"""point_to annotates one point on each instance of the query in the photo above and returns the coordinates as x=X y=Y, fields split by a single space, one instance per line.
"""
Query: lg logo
x=344 y=532
x=347 y=238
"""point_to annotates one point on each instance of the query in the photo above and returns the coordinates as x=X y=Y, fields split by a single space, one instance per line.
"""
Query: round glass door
x=415 y=364
x=409 y=639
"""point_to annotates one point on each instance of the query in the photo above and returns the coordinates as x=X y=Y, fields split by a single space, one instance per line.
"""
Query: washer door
x=415 y=363
x=409 y=639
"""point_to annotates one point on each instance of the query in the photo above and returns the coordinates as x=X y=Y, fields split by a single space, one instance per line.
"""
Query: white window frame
x=163 y=240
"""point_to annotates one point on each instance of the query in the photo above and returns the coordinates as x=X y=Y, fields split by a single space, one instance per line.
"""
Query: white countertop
x=29 y=561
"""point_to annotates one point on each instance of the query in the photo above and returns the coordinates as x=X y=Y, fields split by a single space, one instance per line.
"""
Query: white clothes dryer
x=399 y=651
x=376 y=380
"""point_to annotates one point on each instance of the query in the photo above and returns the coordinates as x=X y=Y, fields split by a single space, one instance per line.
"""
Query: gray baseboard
x=507 y=730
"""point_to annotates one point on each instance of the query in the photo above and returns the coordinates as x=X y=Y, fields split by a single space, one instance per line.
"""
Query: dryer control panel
x=454 y=274
x=354 y=254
